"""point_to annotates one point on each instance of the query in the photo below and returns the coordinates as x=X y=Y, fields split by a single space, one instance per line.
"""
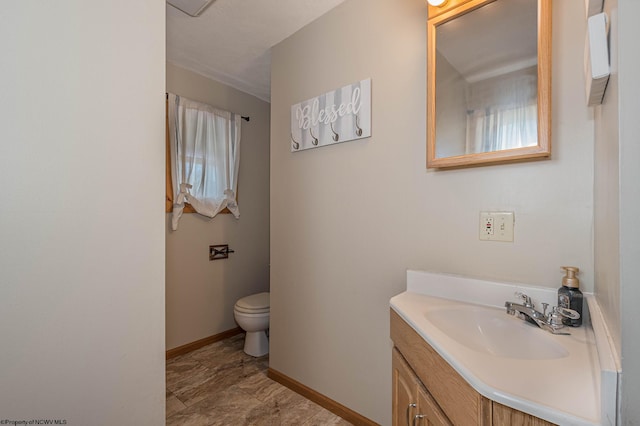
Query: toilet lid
x=256 y=303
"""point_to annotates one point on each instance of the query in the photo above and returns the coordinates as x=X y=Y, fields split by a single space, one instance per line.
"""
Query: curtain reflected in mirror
x=502 y=112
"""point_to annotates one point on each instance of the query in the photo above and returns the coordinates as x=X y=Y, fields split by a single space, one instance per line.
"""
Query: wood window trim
x=169 y=183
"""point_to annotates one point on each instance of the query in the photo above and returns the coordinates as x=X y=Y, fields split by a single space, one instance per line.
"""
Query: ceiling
x=497 y=38
x=231 y=40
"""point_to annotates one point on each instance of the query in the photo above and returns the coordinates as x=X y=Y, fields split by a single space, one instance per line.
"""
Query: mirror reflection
x=486 y=79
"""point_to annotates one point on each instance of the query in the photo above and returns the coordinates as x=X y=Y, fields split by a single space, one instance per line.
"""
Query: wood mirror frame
x=450 y=11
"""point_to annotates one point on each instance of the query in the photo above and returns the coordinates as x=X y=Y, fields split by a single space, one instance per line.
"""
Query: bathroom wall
x=617 y=199
x=629 y=92
x=82 y=228
x=606 y=191
x=201 y=293
x=452 y=109
x=347 y=220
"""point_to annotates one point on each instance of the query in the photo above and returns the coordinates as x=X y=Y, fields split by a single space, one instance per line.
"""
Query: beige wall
x=201 y=293
x=617 y=199
x=606 y=192
x=452 y=109
x=349 y=219
x=81 y=222
x=629 y=92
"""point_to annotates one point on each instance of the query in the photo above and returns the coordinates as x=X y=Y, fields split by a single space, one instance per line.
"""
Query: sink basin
x=492 y=331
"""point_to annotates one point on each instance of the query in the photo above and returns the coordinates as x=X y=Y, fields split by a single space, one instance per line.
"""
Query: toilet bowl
x=252 y=315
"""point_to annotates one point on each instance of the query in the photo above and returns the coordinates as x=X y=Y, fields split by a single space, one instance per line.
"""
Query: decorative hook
x=335 y=136
x=358 y=129
x=296 y=145
x=315 y=140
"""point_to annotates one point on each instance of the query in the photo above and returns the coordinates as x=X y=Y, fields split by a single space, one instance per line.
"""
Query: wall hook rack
x=220 y=251
x=340 y=115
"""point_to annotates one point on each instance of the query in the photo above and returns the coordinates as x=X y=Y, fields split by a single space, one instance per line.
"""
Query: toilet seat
x=254 y=304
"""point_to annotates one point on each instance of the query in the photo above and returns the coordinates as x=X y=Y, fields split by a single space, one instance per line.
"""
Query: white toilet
x=252 y=315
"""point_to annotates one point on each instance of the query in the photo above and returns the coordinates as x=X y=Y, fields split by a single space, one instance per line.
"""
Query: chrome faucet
x=551 y=322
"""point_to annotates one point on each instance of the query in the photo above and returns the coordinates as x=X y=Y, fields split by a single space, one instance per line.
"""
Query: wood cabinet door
x=405 y=387
x=429 y=413
x=505 y=416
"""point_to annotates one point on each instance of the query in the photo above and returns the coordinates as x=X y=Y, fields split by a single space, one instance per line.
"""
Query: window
x=203 y=157
x=502 y=112
x=496 y=128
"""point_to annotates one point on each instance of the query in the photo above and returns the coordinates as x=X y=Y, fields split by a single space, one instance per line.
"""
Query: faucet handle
x=554 y=318
x=558 y=313
x=527 y=300
x=568 y=313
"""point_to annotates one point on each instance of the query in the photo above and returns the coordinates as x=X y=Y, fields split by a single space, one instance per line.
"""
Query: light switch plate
x=496 y=226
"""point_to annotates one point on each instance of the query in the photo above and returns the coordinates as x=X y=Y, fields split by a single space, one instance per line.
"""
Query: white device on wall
x=596 y=58
x=592 y=7
x=190 y=7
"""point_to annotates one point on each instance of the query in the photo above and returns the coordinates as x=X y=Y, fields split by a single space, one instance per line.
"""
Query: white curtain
x=502 y=112
x=205 y=157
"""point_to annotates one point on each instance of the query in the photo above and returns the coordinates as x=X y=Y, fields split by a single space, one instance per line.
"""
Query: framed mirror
x=488 y=82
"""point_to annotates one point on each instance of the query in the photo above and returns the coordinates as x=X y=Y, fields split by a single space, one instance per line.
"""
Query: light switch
x=496 y=226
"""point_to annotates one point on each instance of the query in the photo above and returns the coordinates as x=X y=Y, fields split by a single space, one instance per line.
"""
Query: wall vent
x=191 y=7
x=596 y=59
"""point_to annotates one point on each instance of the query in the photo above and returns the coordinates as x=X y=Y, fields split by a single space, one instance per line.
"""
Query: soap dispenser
x=570 y=296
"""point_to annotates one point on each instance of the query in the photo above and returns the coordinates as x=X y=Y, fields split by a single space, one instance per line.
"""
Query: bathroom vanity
x=423 y=378
x=459 y=359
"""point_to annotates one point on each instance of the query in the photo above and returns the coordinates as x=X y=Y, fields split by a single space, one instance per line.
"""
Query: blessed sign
x=337 y=116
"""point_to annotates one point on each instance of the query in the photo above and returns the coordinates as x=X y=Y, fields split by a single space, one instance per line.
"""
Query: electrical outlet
x=486 y=225
x=496 y=226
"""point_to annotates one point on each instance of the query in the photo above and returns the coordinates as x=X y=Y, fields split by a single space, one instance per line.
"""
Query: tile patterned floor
x=220 y=385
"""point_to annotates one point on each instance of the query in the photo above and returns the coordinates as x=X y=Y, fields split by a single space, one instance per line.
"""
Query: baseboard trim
x=184 y=349
x=326 y=402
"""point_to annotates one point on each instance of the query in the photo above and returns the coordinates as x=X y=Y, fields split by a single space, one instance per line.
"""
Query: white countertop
x=565 y=390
